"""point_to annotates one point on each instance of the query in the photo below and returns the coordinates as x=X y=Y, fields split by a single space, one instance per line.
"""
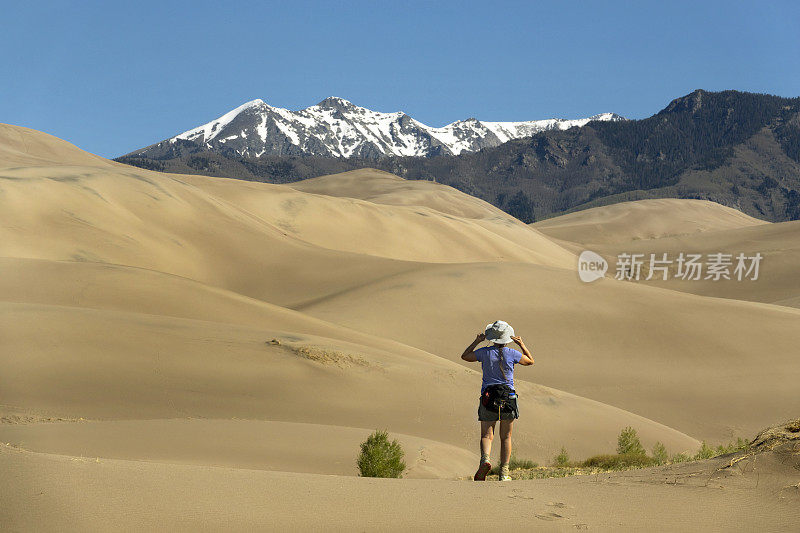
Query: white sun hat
x=499 y=333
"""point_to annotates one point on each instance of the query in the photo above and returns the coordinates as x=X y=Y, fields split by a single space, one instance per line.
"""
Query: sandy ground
x=183 y=352
x=56 y=492
x=249 y=444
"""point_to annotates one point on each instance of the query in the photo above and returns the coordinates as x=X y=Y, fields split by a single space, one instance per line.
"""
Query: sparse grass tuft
x=619 y=461
x=680 y=458
x=705 y=452
x=546 y=472
x=738 y=445
x=562 y=459
x=634 y=456
x=515 y=464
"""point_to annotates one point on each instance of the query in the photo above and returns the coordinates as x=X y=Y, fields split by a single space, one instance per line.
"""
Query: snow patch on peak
x=251 y=103
x=611 y=117
x=336 y=127
x=213 y=128
x=333 y=101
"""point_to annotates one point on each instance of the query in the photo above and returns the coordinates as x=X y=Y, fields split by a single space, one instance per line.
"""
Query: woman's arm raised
x=469 y=353
x=527 y=357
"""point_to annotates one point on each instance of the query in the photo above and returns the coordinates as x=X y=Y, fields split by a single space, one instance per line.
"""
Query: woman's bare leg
x=487 y=434
x=505 y=441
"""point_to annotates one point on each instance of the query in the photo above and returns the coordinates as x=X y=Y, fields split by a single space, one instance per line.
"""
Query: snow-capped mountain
x=337 y=128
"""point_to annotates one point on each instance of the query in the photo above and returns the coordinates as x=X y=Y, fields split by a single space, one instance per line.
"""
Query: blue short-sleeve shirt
x=489 y=356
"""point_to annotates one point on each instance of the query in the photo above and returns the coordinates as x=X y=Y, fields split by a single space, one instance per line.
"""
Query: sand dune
x=169 y=224
x=24 y=147
x=778 y=278
x=380 y=187
x=238 y=339
x=407 y=222
x=112 y=287
x=665 y=355
x=644 y=219
x=228 y=236
x=122 y=365
x=705 y=228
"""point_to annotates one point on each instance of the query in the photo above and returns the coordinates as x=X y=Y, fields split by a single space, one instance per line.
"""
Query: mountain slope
x=337 y=128
x=738 y=149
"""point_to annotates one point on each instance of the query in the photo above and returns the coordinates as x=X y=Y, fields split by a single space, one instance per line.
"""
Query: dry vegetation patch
x=327 y=356
x=777 y=435
x=632 y=455
x=14 y=417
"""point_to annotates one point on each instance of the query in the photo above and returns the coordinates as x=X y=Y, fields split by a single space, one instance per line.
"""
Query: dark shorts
x=487 y=415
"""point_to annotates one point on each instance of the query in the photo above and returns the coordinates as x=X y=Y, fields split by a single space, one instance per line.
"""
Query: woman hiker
x=498 y=398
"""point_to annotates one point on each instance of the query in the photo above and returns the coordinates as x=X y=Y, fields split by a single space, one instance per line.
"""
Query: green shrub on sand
x=562 y=459
x=660 y=455
x=680 y=458
x=628 y=443
x=381 y=458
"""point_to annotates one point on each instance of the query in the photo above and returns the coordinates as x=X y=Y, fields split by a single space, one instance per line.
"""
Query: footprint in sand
x=560 y=505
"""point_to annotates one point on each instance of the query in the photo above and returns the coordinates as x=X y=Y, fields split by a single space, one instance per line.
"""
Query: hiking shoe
x=480 y=475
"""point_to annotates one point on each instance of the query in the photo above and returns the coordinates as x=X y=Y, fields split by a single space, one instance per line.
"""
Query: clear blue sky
x=115 y=76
